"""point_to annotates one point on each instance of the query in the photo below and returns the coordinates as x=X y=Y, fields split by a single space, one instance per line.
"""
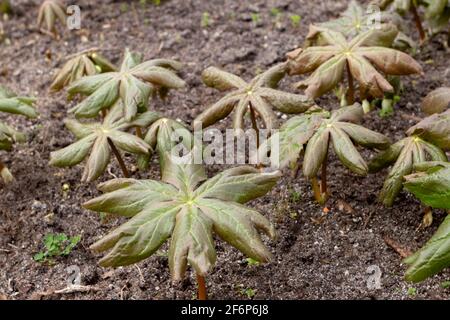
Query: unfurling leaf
x=132 y=85
x=405 y=153
x=318 y=129
x=83 y=64
x=95 y=138
x=49 y=12
x=365 y=56
x=179 y=209
x=259 y=94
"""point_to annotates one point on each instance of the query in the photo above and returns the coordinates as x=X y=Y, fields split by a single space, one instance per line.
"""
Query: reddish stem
x=418 y=22
x=119 y=158
x=201 y=288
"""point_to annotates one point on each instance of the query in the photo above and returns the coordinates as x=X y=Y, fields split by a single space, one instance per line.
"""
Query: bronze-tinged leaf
x=368 y=77
x=316 y=152
x=258 y=94
x=436 y=101
x=219 y=110
x=346 y=151
x=390 y=61
x=221 y=80
x=325 y=78
x=435 y=129
x=98 y=160
x=364 y=137
x=186 y=213
x=310 y=59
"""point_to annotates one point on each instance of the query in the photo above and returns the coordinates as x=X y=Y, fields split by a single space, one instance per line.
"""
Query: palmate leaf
x=132 y=85
x=49 y=12
x=364 y=55
x=93 y=142
x=435 y=128
x=318 y=130
x=83 y=64
x=433 y=257
x=259 y=94
x=356 y=20
x=436 y=101
x=188 y=214
x=404 y=154
x=163 y=136
x=431 y=184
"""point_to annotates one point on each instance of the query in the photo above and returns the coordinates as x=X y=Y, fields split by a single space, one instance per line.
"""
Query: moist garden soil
x=320 y=253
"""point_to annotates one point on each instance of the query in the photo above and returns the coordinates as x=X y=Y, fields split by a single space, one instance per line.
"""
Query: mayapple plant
x=49 y=12
x=432 y=186
x=187 y=211
x=334 y=54
x=356 y=20
x=436 y=101
x=404 y=154
x=317 y=129
x=258 y=96
x=132 y=85
x=97 y=140
x=11 y=103
x=86 y=63
x=162 y=135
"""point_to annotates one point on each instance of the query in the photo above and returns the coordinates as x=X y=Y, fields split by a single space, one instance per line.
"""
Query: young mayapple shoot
x=161 y=136
x=49 y=12
x=317 y=129
x=98 y=140
x=85 y=63
x=181 y=208
x=259 y=97
x=404 y=154
x=431 y=184
x=334 y=54
x=132 y=85
x=11 y=103
x=356 y=20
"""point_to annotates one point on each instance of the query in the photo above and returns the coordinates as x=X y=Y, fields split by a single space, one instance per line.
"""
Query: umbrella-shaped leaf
x=83 y=64
x=96 y=140
x=131 y=85
x=188 y=214
x=258 y=94
x=331 y=52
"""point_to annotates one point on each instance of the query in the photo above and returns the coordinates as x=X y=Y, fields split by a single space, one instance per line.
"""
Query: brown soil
x=317 y=256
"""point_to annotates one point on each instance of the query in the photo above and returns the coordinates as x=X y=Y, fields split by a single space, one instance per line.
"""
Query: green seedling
x=56 y=245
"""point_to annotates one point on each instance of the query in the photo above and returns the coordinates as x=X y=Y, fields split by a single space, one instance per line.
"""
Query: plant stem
x=351 y=87
x=254 y=124
x=418 y=22
x=323 y=180
x=119 y=158
x=316 y=190
x=201 y=288
x=104 y=113
x=138 y=132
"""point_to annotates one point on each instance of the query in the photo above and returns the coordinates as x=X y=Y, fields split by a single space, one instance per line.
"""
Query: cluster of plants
x=113 y=115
